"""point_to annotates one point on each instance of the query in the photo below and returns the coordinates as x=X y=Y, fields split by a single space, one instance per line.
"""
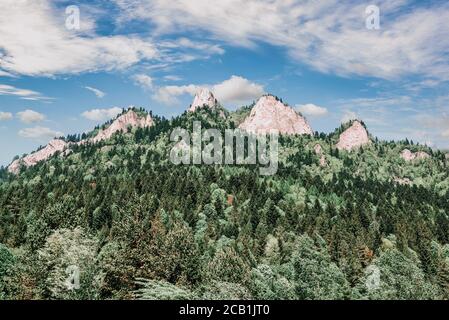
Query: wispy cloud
x=144 y=81
x=100 y=94
x=172 y=78
x=349 y=115
x=35 y=42
x=101 y=114
x=24 y=94
x=39 y=133
x=35 y=26
x=329 y=35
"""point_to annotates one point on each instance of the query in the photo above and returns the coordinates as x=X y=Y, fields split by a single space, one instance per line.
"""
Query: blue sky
x=316 y=55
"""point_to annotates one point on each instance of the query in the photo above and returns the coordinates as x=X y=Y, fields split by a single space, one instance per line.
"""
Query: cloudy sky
x=58 y=77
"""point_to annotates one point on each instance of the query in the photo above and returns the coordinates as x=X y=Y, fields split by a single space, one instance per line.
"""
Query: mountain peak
x=270 y=113
x=203 y=98
x=54 y=146
x=128 y=119
x=353 y=137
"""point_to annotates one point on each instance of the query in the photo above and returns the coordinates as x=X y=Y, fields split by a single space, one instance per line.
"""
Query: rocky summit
x=270 y=113
x=353 y=137
x=203 y=98
x=54 y=146
x=122 y=123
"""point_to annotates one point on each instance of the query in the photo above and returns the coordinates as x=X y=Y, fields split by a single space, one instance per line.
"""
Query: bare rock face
x=408 y=155
x=56 y=145
x=319 y=151
x=323 y=162
x=129 y=119
x=203 y=98
x=271 y=114
x=353 y=137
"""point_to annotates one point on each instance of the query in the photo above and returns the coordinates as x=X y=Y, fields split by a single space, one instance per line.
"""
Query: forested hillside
x=139 y=227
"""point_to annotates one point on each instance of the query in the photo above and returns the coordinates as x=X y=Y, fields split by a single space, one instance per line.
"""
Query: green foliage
x=267 y=284
x=227 y=265
x=121 y=211
x=396 y=274
x=65 y=249
x=7 y=261
x=161 y=290
x=316 y=276
x=220 y=290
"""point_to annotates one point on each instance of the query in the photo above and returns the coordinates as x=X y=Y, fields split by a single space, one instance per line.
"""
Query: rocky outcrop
x=353 y=137
x=408 y=155
x=122 y=123
x=54 y=146
x=319 y=152
x=203 y=98
x=271 y=114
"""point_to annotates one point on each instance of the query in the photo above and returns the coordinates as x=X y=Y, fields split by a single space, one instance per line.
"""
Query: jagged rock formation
x=319 y=151
x=129 y=119
x=54 y=146
x=408 y=155
x=271 y=114
x=203 y=98
x=353 y=137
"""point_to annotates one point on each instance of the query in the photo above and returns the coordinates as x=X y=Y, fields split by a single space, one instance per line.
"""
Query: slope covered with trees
x=137 y=226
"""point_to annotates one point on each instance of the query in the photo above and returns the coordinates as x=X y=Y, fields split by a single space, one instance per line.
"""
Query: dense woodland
x=139 y=227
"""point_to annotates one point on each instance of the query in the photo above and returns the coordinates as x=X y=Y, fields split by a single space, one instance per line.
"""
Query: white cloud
x=5 y=116
x=237 y=89
x=445 y=134
x=377 y=102
x=349 y=115
x=327 y=35
x=169 y=94
x=5 y=74
x=233 y=90
x=101 y=114
x=436 y=122
x=143 y=80
x=172 y=78
x=30 y=116
x=24 y=94
x=312 y=110
x=39 y=133
x=100 y=94
x=205 y=48
x=35 y=42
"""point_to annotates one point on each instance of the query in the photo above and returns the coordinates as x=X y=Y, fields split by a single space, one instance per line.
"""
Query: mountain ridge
x=269 y=112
